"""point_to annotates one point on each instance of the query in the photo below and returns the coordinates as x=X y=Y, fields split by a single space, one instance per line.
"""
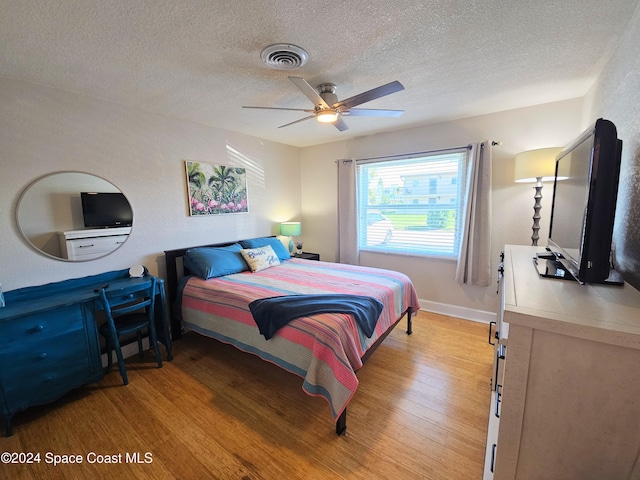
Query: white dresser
x=566 y=380
x=91 y=243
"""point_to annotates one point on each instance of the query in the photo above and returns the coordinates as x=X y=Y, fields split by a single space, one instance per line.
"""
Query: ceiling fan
x=328 y=109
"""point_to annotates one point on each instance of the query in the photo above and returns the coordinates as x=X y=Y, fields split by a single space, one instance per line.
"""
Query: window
x=433 y=185
x=397 y=205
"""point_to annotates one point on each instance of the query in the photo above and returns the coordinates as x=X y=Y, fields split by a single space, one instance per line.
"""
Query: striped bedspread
x=325 y=349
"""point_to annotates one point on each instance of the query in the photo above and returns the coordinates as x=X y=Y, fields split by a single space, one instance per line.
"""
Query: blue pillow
x=211 y=262
x=278 y=247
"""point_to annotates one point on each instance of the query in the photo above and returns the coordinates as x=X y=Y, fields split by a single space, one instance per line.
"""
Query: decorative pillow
x=211 y=262
x=260 y=258
x=277 y=246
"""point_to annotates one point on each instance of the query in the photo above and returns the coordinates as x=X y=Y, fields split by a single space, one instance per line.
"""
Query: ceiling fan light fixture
x=327 y=108
x=327 y=116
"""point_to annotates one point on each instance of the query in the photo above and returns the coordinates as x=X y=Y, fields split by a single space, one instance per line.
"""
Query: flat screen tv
x=584 y=204
x=105 y=210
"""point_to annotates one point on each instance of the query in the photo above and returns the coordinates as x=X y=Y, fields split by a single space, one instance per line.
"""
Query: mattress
x=326 y=349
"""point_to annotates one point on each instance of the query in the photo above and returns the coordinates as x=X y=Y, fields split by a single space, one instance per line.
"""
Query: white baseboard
x=459 y=312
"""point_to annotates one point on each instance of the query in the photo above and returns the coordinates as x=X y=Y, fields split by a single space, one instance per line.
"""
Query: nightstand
x=307 y=256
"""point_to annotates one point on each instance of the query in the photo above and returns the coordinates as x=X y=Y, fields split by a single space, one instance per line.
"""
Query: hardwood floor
x=420 y=412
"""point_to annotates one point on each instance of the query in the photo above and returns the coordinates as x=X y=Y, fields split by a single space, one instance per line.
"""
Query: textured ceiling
x=200 y=60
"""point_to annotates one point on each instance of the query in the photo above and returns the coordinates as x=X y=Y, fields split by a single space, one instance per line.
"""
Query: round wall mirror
x=74 y=216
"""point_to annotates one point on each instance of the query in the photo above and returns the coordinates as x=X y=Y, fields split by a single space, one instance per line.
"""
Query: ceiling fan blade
x=297 y=121
x=340 y=125
x=279 y=108
x=369 y=95
x=369 y=112
x=309 y=92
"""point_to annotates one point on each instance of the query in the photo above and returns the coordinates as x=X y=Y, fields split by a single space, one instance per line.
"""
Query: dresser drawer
x=53 y=350
x=45 y=382
x=88 y=248
x=23 y=331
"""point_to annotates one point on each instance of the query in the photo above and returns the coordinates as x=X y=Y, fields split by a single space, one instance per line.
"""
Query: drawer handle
x=48 y=378
x=44 y=355
x=500 y=356
x=498 y=395
x=37 y=328
x=493 y=456
x=490 y=342
x=85 y=246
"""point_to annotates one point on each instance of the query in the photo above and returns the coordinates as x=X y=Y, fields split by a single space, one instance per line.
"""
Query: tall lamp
x=290 y=229
x=536 y=166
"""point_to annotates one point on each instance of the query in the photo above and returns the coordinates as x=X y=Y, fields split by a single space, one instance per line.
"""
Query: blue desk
x=49 y=339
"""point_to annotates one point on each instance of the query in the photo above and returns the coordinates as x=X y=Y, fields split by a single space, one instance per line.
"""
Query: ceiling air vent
x=283 y=56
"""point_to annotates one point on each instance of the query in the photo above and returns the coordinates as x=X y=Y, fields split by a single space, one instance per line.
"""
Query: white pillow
x=260 y=258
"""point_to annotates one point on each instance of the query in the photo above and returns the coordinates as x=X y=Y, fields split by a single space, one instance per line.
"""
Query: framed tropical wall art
x=216 y=189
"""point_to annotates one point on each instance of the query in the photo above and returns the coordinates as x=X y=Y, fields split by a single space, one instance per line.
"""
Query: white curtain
x=347 y=216
x=474 y=260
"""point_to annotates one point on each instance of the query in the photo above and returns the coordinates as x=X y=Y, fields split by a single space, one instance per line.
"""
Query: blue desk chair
x=129 y=310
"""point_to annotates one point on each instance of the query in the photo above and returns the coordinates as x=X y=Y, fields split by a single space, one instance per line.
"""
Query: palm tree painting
x=216 y=189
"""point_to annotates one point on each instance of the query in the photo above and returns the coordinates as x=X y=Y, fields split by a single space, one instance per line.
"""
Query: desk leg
x=165 y=320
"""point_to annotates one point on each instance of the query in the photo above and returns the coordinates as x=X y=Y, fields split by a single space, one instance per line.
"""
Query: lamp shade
x=534 y=164
x=290 y=229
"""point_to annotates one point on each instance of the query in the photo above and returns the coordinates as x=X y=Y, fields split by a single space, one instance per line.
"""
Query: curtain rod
x=442 y=150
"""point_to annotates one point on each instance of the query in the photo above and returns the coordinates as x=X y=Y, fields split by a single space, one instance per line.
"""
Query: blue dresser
x=49 y=341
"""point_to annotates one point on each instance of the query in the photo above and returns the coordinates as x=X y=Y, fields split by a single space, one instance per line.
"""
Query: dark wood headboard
x=173 y=259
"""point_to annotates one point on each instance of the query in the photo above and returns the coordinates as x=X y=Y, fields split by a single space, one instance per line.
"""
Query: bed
x=325 y=349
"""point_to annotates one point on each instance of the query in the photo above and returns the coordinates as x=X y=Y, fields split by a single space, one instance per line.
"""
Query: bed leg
x=341 y=423
x=409 y=324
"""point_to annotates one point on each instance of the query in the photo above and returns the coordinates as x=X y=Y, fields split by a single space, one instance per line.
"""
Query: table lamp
x=290 y=229
x=536 y=166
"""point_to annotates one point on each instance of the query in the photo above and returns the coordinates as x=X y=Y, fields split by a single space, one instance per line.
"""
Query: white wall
x=43 y=130
x=616 y=96
x=549 y=125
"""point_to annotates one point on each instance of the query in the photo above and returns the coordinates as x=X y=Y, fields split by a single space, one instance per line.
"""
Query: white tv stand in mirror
x=91 y=243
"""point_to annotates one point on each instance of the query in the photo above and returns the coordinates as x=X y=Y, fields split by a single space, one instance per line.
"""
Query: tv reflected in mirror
x=51 y=205
x=105 y=210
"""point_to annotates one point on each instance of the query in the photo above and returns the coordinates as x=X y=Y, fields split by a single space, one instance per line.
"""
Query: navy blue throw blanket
x=270 y=314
